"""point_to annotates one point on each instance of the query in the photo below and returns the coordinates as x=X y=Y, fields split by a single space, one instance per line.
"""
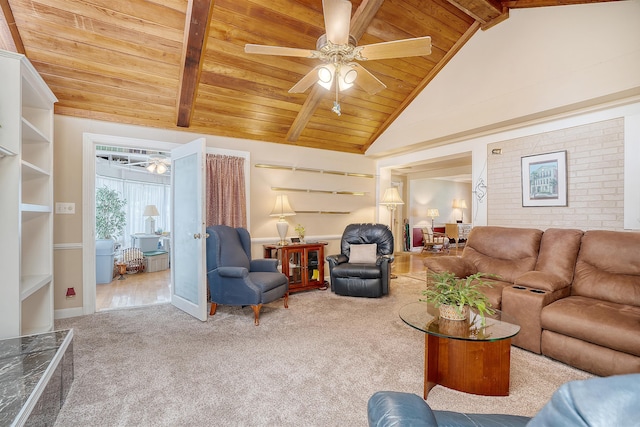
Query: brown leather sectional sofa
x=575 y=294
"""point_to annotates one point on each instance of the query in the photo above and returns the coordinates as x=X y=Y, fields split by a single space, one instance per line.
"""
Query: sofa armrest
x=456 y=265
x=392 y=408
x=541 y=280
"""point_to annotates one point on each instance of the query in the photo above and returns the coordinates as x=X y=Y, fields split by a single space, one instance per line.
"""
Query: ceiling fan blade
x=337 y=19
x=367 y=81
x=419 y=46
x=307 y=81
x=278 y=50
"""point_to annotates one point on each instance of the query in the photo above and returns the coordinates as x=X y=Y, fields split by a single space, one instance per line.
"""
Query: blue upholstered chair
x=234 y=278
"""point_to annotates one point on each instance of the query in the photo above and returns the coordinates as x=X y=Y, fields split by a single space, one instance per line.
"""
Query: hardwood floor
x=134 y=291
x=154 y=288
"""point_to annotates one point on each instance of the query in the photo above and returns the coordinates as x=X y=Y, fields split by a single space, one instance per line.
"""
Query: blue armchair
x=234 y=278
x=606 y=401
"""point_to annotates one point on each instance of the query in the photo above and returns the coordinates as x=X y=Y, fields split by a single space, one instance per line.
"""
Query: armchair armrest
x=268 y=265
x=458 y=266
x=233 y=272
x=384 y=258
x=334 y=260
x=392 y=408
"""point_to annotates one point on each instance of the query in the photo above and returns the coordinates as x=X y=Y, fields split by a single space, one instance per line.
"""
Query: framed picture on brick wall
x=544 y=179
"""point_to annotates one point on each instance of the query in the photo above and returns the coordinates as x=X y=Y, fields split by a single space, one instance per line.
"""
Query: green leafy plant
x=445 y=288
x=110 y=215
x=300 y=230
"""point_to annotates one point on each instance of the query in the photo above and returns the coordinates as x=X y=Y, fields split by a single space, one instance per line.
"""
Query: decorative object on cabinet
x=301 y=231
x=111 y=217
x=150 y=211
x=281 y=209
x=544 y=179
x=433 y=213
x=26 y=198
x=303 y=264
x=460 y=204
x=329 y=172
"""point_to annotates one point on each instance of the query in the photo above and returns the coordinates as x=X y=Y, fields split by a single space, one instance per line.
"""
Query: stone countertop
x=26 y=365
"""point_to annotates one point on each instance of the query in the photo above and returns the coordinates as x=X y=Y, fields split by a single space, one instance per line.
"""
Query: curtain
x=138 y=195
x=226 y=203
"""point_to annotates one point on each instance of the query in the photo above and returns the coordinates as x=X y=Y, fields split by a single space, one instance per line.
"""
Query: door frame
x=89 y=143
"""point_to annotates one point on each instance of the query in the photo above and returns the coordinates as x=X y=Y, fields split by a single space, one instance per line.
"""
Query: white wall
x=540 y=60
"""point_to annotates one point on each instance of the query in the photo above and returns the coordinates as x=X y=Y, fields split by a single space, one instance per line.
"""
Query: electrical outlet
x=65 y=208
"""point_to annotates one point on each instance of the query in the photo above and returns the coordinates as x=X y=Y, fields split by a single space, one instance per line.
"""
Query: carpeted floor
x=314 y=364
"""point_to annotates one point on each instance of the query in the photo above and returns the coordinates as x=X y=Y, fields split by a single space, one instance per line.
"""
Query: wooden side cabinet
x=302 y=263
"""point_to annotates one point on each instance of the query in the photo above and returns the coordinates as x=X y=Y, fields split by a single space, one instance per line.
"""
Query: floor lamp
x=391 y=199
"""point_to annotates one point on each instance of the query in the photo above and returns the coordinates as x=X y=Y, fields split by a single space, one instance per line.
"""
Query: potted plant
x=454 y=296
x=300 y=230
x=110 y=221
x=110 y=215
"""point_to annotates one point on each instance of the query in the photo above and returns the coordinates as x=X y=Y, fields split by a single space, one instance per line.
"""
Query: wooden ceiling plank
x=359 y=23
x=196 y=30
x=9 y=34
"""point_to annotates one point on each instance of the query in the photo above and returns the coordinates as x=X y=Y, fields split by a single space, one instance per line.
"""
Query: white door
x=188 y=243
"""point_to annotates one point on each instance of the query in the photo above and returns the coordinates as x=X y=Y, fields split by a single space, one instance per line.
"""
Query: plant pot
x=451 y=312
x=454 y=328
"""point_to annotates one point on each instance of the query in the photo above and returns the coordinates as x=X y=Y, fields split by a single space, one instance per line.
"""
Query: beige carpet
x=314 y=364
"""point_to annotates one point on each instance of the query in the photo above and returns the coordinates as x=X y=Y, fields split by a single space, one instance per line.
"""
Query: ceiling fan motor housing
x=337 y=53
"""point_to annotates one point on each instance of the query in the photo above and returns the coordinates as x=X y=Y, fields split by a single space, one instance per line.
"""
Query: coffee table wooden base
x=477 y=367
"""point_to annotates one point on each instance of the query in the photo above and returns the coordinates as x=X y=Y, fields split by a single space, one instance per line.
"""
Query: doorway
x=142 y=178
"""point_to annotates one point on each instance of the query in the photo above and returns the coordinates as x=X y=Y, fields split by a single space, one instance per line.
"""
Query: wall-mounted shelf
x=296 y=169
x=308 y=190
x=324 y=212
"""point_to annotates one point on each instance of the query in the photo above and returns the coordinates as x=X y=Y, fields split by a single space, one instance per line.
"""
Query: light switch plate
x=65 y=208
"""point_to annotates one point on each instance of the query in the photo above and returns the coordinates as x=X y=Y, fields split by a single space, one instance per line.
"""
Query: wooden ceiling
x=180 y=64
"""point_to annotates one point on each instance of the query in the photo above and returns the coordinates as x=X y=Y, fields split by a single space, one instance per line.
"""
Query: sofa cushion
x=506 y=252
x=608 y=267
x=558 y=252
x=600 y=322
x=363 y=271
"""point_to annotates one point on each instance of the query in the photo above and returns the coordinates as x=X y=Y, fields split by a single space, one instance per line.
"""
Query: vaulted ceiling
x=180 y=64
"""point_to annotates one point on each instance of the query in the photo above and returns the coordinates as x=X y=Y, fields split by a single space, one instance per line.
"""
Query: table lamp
x=281 y=209
x=433 y=213
x=150 y=223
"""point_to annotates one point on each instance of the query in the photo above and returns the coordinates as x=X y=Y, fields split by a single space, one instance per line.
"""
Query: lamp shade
x=282 y=207
x=462 y=204
x=151 y=210
x=433 y=213
x=391 y=197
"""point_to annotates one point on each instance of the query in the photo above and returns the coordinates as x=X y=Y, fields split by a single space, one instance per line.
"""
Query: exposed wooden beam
x=438 y=67
x=359 y=23
x=483 y=11
x=9 y=34
x=195 y=40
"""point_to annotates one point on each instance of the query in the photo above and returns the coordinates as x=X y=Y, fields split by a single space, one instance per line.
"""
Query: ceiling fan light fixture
x=346 y=76
x=152 y=167
x=325 y=76
x=161 y=168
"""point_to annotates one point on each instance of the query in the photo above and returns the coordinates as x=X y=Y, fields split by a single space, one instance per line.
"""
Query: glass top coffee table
x=465 y=355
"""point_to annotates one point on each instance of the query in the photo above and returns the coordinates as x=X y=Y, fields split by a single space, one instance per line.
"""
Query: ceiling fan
x=157 y=163
x=338 y=51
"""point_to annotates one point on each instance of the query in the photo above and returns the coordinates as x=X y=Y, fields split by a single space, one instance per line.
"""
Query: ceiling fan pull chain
x=336 y=104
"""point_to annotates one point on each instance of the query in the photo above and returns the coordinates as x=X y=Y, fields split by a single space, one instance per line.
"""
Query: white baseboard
x=68 y=312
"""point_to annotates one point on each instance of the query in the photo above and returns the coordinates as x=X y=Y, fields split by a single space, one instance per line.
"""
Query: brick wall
x=595 y=178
